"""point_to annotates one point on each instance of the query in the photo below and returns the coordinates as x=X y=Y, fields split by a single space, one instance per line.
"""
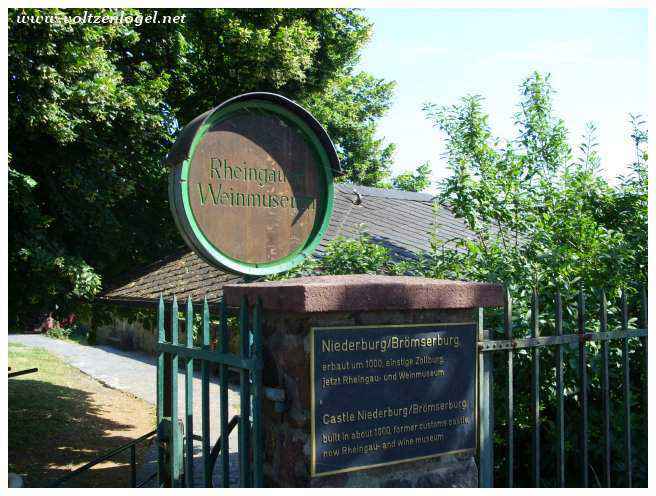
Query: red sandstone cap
x=365 y=292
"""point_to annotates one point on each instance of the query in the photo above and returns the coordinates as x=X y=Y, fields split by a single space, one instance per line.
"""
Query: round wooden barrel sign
x=251 y=185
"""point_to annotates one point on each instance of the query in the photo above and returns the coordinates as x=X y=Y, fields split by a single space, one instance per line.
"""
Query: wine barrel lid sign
x=251 y=185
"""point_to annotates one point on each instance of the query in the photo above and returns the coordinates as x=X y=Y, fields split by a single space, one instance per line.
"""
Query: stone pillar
x=296 y=315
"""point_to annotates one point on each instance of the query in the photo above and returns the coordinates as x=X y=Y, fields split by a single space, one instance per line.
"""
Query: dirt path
x=60 y=419
x=135 y=372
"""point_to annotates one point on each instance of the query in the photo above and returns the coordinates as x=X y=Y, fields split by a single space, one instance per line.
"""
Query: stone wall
x=288 y=434
x=133 y=335
x=127 y=335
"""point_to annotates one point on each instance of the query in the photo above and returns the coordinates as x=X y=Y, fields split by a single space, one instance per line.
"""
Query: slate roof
x=400 y=220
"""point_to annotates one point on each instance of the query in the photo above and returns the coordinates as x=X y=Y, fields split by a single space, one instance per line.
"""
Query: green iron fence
x=176 y=457
x=176 y=460
x=506 y=348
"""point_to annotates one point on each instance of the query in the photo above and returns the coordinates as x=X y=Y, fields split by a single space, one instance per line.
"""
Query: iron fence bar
x=189 y=397
x=133 y=466
x=560 y=411
x=205 y=398
x=258 y=442
x=175 y=440
x=583 y=382
x=627 y=393
x=244 y=395
x=22 y=372
x=523 y=343
x=485 y=412
x=220 y=358
x=218 y=447
x=643 y=322
x=223 y=395
x=160 y=386
x=102 y=458
x=535 y=389
x=605 y=386
x=507 y=324
x=146 y=481
x=580 y=338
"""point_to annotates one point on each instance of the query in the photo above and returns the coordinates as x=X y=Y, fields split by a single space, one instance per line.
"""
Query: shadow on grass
x=53 y=429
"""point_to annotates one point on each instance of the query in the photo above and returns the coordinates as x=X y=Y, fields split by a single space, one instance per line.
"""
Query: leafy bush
x=75 y=332
x=354 y=256
x=59 y=332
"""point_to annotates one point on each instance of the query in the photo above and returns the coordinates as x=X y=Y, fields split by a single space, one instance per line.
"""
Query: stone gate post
x=379 y=378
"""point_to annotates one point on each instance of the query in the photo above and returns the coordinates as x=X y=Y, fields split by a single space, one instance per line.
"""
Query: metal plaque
x=389 y=394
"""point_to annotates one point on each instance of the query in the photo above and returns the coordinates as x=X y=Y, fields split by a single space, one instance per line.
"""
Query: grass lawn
x=60 y=419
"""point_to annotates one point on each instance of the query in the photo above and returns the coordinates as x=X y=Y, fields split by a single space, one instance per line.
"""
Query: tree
x=627 y=209
x=545 y=220
x=87 y=131
x=305 y=54
x=94 y=109
x=350 y=108
x=534 y=211
x=418 y=180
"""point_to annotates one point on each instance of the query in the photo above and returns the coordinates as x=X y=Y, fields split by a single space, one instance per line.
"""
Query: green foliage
x=543 y=218
x=59 y=332
x=627 y=212
x=358 y=255
x=418 y=180
x=94 y=108
x=350 y=108
x=86 y=137
x=309 y=266
x=355 y=256
x=539 y=217
x=76 y=332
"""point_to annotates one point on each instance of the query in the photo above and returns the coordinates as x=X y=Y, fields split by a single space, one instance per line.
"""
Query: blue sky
x=597 y=59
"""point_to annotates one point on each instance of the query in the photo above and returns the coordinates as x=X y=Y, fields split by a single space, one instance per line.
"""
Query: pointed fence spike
x=174 y=320
x=190 y=322
x=160 y=319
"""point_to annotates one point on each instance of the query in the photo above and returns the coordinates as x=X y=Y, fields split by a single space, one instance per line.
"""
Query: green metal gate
x=176 y=438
